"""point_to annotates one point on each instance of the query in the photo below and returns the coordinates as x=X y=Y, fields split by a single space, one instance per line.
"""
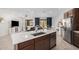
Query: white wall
x=12 y=13
x=3 y=28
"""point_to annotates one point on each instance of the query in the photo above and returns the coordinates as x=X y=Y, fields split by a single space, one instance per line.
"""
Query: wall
x=3 y=29
x=13 y=13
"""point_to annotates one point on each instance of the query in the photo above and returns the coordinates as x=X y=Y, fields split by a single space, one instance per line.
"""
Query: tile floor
x=63 y=45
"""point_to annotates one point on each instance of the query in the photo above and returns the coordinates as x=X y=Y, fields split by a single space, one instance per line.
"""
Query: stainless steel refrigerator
x=68 y=30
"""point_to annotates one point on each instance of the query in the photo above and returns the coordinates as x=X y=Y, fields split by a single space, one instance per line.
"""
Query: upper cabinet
x=69 y=13
x=66 y=15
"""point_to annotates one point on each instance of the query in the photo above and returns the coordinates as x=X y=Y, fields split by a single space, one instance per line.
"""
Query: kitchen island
x=27 y=41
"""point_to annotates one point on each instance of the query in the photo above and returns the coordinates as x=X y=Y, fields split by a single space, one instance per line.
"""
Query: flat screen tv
x=14 y=23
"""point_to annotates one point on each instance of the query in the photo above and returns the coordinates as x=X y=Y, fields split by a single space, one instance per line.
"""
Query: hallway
x=63 y=45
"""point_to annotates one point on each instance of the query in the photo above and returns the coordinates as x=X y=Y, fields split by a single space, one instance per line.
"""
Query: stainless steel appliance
x=68 y=30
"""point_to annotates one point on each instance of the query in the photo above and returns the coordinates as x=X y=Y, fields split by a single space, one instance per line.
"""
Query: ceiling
x=32 y=12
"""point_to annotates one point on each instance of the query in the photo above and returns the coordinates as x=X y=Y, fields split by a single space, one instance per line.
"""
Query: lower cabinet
x=28 y=45
x=45 y=42
x=76 y=39
x=52 y=40
x=42 y=43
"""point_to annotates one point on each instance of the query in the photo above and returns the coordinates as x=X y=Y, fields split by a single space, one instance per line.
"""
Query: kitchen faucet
x=36 y=28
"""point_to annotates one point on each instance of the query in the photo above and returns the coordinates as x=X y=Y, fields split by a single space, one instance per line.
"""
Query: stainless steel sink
x=36 y=34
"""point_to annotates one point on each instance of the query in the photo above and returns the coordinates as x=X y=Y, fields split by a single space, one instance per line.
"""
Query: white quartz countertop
x=76 y=31
x=25 y=36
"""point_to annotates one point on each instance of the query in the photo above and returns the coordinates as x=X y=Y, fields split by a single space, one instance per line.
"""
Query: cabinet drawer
x=76 y=35
x=30 y=47
x=76 y=39
x=41 y=38
x=76 y=42
x=53 y=35
x=24 y=44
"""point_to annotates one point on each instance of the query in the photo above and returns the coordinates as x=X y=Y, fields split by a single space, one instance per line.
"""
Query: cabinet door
x=28 y=45
x=66 y=15
x=76 y=39
x=52 y=40
x=42 y=43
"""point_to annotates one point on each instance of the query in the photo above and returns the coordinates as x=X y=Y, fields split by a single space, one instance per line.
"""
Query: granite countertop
x=25 y=36
x=76 y=31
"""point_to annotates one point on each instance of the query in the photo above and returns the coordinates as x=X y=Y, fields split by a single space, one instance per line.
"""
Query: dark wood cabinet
x=66 y=15
x=76 y=39
x=69 y=13
x=42 y=43
x=28 y=45
x=45 y=42
x=52 y=40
